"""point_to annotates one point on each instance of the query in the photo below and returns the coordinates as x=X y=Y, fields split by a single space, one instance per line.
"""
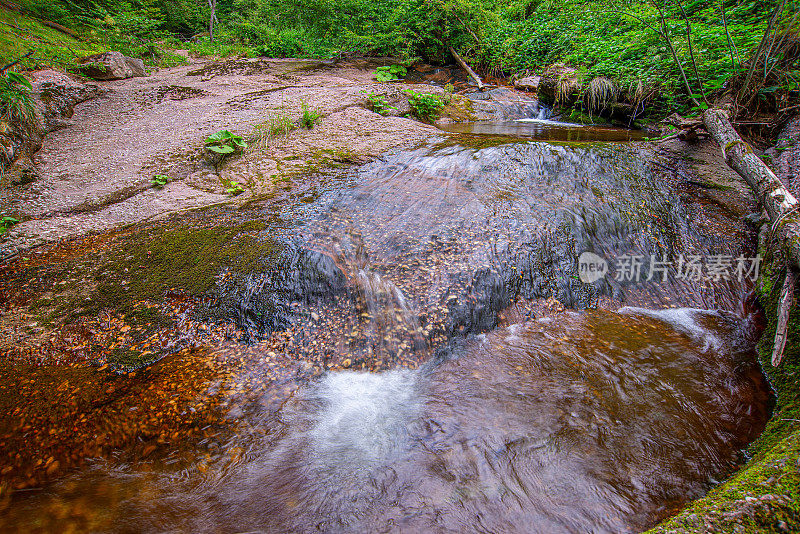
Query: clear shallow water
x=447 y=268
x=543 y=129
x=600 y=422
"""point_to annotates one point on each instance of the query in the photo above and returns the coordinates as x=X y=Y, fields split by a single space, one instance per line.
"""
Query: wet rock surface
x=95 y=173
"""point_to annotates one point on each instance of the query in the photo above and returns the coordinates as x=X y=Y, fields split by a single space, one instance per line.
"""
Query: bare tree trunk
x=466 y=68
x=779 y=203
x=213 y=5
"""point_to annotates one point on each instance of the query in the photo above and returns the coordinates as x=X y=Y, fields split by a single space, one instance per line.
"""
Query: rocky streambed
x=388 y=330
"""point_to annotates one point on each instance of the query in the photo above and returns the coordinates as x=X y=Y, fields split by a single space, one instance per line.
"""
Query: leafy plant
x=6 y=223
x=310 y=116
x=225 y=142
x=378 y=103
x=160 y=180
x=425 y=106
x=280 y=124
x=234 y=188
x=390 y=73
x=449 y=89
x=15 y=98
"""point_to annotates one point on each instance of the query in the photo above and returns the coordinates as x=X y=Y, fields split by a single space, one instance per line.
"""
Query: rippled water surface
x=487 y=388
x=547 y=130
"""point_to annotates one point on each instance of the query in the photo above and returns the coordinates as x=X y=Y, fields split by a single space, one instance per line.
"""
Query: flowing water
x=489 y=389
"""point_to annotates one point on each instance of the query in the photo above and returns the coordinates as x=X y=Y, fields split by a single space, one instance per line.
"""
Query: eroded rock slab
x=95 y=171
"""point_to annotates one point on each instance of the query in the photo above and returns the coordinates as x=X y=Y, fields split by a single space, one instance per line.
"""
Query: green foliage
x=234 y=188
x=599 y=39
x=389 y=73
x=225 y=142
x=6 y=223
x=15 y=98
x=425 y=106
x=378 y=103
x=160 y=180
x=309 y=117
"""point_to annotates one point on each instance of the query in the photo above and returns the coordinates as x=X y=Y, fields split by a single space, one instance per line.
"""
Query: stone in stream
x=111 y=66
x=529 y=83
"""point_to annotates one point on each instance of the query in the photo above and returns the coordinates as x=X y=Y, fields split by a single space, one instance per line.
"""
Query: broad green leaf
x=221 y=135
x=19 y=79
x=221 y=149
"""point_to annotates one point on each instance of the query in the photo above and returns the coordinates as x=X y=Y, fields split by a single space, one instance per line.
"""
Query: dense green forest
x=619 y=39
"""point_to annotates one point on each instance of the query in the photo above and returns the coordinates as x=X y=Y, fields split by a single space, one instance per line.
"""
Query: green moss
x=459 y=109
x=144 y=266
x=763 y=496
x=126 y=360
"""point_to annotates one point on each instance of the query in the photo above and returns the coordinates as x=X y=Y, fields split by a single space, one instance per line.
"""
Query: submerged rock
x=112 y=66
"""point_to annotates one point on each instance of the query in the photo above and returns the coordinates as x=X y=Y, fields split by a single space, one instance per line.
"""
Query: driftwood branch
x=6 y=67
x=467 y=68
x=781 y=206
x=784 y=307
x=779 y=203
x=58 y=27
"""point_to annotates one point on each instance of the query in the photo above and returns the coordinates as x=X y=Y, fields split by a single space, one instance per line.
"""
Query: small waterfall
x=393 y=324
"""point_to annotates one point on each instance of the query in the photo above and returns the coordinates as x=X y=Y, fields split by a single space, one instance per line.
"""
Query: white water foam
x=549 y=122
x=365 y=417
x=684 y=320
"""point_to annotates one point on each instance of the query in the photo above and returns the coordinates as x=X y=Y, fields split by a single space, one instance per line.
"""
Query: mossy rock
x=143 y=266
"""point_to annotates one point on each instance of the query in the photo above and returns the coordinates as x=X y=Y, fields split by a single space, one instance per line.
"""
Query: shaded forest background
x=621 y=40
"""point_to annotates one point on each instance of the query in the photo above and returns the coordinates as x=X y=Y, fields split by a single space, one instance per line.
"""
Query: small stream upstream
x=488 y=388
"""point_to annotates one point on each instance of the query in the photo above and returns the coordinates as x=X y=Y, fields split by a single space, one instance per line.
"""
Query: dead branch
x=466 y=68
x=784 y=307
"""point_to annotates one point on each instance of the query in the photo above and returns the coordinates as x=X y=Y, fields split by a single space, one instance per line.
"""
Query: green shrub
x=234 y=188
x=378 y=103
x=425 y=106
x=160 y=180
x=225 y=142
x=389 y=73
x=15 y=98
x=6 y=223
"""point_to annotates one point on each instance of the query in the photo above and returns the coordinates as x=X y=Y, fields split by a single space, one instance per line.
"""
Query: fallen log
x=781 y=206
x=466 y=68
x=58 y=27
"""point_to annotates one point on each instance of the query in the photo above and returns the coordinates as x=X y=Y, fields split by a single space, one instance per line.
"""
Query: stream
x=442 y=367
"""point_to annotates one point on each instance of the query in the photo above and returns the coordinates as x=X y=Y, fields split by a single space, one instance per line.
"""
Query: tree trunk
x=213 y=5
x=780 y=204
x=466 y=68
